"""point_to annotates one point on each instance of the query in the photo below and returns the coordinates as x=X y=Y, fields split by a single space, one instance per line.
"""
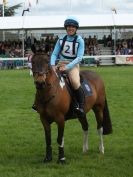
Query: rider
x=69 y=50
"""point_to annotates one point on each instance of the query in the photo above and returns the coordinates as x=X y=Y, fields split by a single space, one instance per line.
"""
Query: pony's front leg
x=60 y=141
x=47 y=129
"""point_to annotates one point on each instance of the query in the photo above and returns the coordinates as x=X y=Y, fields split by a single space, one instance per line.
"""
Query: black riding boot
x=81 y=100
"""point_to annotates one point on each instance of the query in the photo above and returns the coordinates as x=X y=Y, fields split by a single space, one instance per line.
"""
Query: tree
x=9 y=11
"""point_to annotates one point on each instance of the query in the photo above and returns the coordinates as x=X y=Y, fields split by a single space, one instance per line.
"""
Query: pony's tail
x=107 y=125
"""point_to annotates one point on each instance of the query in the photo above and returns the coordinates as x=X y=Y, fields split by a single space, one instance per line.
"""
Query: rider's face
x=71 y=30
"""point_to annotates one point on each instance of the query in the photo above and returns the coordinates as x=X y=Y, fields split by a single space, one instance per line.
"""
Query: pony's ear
x=33 y=48
x=47 y=48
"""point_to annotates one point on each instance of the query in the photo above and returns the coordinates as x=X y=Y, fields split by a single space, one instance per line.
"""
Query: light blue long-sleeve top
x=67 y=51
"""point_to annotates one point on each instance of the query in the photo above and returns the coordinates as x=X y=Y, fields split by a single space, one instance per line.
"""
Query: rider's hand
x=62 y=68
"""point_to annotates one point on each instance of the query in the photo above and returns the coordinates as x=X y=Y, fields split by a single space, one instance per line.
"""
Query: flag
x=114 y=9
x=29 y=3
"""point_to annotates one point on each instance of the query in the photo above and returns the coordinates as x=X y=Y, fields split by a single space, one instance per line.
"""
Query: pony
x=53 y=102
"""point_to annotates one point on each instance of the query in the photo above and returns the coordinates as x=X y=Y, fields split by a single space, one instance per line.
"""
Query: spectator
x=118 y=51
x=2 y=49
x=124 y=50
x=29 y=62
x=97 y=50
x=109 y=41
x=104 y=40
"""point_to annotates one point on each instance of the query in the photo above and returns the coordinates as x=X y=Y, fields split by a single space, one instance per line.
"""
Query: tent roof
x=56 y=22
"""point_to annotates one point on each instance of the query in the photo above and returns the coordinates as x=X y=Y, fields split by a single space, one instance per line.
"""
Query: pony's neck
x=54 y=75
x=55 y=79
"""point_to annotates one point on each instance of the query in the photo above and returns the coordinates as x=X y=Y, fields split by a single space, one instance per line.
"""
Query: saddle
x=85 y=86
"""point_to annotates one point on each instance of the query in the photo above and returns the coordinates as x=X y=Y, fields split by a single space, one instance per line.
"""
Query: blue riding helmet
x=71 y=21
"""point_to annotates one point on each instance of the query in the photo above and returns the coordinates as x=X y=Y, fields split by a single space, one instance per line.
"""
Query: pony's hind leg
x=84 y=125
x=101 y=146
x=98 y=110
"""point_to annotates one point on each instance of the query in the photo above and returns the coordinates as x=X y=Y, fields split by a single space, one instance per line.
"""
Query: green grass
x=22 y=139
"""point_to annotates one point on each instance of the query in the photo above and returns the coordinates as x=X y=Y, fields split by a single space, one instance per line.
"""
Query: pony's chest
x=46 y=109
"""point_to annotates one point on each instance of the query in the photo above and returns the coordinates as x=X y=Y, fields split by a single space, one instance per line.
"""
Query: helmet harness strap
x=74 y=42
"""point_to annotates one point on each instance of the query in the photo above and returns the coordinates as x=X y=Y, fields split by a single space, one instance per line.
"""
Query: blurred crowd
x=11 y=49
x=124 y=47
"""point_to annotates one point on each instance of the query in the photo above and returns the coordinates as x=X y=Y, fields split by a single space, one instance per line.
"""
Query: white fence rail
x=108 y=60
x=10 y=63
x=101 y=60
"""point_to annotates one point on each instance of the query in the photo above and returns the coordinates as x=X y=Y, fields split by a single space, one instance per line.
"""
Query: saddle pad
x=86 y=87
x=84 y=84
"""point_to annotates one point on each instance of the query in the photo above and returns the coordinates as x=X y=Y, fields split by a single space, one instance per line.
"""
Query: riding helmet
x=71 y=21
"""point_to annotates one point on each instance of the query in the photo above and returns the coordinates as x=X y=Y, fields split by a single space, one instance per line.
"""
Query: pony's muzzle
x=40 y=85
x=39 y=80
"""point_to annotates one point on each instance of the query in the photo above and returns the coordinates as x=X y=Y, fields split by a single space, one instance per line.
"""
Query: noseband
x=41 y=73
x=44 y=83
x=48 y=86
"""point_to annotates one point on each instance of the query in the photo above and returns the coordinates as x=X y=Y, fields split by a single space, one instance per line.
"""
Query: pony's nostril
x=39 y=85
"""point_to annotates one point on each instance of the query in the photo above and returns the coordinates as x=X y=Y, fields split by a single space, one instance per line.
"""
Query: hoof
x=85 y=149
x=34 y=108
x=47 y=160
x=101 y=150
x=61 y=161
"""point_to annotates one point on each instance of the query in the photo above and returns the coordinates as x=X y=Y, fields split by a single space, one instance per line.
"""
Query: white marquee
x=56 y=22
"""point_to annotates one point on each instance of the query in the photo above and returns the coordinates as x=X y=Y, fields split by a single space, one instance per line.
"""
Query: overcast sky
x=73 y=7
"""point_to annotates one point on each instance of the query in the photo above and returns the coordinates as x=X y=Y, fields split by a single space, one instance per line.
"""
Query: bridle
x=40 y=73
x=54 y=85
x=50 y=86
x=37 y=72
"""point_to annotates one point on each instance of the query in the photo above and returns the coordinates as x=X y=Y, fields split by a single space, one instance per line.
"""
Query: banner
x=124 y=59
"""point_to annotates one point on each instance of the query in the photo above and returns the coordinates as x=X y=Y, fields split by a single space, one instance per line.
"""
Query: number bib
x=67 y=50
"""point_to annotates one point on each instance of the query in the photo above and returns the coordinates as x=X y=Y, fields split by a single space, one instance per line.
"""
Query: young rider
x=69 y=50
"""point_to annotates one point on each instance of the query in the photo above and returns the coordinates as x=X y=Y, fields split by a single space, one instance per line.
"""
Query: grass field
x=22 y=140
